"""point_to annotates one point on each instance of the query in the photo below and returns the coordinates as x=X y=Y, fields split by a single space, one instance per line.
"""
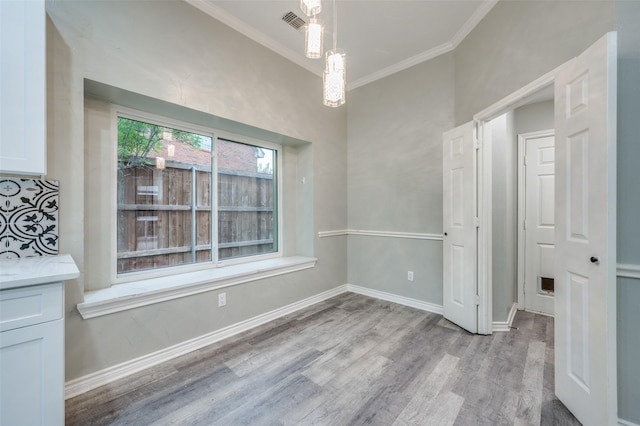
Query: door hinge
x=476 y=144
x=476 y=222
x=477 y=301
x=525 y=160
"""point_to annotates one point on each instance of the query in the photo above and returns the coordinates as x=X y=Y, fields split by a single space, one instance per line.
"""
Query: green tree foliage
x=137 y=140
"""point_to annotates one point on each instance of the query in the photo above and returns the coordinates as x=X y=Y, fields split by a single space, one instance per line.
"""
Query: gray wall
x=395 y=131
x=173 y=52
x=504 y=205
x=519 y=41
x=396 y=117
x=534 y=117
x=627 y=19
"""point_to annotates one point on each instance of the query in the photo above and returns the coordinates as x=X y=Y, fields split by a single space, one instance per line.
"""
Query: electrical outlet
x=222 y=299
x=410 y=275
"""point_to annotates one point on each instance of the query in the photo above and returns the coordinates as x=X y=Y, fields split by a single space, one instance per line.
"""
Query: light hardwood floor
x=345 y=361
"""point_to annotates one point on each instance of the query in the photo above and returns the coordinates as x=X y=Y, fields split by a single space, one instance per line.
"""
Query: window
x=186 y=197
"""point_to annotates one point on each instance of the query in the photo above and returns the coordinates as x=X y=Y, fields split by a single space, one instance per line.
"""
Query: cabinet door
x=22 y=87
x=32 y=375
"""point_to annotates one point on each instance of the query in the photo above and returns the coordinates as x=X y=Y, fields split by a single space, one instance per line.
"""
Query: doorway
x=536 y=221
x=585 y=211
x=504 y=256
x=522 y=207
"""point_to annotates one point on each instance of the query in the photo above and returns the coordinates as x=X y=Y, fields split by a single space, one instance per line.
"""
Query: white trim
x=626 y=270
x=121 y=297
x=513 y=100
x=401 y=300
x=446 y=47
x=402 y=65
x=243 y=28
x=622 y=422
x=388 y=234
x=505 y=325
x=482 y=179
x=474 y=20
x=91 y=381
x=336 y=233
x=449 y=46
x=517 y=98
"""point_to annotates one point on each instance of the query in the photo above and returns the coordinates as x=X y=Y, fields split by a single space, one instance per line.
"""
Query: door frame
x=522 y=140
x=485 y=199
x=485 y=243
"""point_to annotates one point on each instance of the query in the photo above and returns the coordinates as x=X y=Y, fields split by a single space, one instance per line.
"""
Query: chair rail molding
x=377 y=233
x=628 y=270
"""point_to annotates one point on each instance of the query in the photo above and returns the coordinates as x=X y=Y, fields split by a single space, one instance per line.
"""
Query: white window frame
x=129 y=277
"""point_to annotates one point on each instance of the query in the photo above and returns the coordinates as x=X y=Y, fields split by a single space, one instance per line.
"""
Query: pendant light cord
x=335 y=25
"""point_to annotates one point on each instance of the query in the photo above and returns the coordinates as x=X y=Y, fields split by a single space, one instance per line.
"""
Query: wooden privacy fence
x=164 y=215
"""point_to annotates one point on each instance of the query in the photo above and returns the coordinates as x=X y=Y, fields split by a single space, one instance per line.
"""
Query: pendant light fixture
x=335 y=73
x=311 y=7
x=314 y=34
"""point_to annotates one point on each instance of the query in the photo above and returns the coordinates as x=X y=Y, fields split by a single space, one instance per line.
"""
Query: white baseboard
x=401 y=300
x=99 y=378
x=505 y=325
x=622 y=422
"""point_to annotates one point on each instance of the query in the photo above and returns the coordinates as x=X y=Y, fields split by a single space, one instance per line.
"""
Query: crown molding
x=402 y=65
x=482 y=11
x=226 y=18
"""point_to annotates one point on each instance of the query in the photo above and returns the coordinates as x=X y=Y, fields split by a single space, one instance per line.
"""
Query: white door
x=585 y=320
x=459 y=245
x=539 y=223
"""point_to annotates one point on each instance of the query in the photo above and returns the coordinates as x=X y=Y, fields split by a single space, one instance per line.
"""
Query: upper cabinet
x=22 y=87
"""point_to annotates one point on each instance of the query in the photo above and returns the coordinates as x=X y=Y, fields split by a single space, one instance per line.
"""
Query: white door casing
x=538 y=221
x=585 y=320
x=459 y=242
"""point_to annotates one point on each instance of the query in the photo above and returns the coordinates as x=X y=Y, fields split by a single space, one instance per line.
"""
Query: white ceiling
x=379 y=37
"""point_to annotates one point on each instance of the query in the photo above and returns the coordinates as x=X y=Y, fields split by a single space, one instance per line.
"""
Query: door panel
x=585 y=343
x=459 y=245
x=539 y=234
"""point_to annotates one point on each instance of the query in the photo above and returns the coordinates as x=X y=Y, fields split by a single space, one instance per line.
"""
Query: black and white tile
x=28 y=218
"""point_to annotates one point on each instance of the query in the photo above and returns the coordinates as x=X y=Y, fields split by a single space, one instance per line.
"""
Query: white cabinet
x=32 y=356
x=32 y=339
x=23 y=87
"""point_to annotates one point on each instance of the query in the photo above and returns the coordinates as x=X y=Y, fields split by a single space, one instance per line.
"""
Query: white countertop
x=29 y=271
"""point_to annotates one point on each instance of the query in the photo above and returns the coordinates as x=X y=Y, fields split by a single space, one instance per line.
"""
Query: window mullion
x=214 y=200
x=193 y=214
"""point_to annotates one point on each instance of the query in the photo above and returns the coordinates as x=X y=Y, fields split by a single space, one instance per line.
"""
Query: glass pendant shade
x=313 y=39
x=334 y=79
x=311 y=7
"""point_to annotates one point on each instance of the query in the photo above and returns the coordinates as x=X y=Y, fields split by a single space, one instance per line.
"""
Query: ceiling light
x=334 y=77
x=313 y=39
x=311 y=7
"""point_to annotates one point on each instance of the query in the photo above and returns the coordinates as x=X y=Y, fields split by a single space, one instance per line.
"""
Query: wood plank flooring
x=349 y=360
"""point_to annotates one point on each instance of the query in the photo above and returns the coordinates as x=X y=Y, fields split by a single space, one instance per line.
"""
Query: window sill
x=121 y=297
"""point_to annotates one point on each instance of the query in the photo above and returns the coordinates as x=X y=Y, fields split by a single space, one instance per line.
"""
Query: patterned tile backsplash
x=28 y=217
